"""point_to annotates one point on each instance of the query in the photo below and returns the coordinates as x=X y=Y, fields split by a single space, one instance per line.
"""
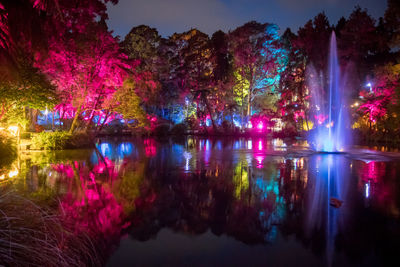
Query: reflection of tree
x=210 y=200
x=89 y=205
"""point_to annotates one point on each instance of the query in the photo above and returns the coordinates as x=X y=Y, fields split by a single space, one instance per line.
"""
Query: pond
x=194 y=201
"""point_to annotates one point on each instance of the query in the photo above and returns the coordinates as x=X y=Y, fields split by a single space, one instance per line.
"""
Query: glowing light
x=13 y=130
x=13 y=173
x=260 y=145
x=105 y=149
x=2 y=177
x=260 y=159
x=260 y=126
x=249 y=125
x=329 y=125
x=367 y=189
x=208 y=145
x=250 y=144
x=187 y=155
x=370 y=87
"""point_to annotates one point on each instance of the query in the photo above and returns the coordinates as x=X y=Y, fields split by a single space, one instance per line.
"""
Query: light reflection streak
x=187 y=155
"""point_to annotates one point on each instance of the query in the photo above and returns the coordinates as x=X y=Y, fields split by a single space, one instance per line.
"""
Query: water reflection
x=236 y=188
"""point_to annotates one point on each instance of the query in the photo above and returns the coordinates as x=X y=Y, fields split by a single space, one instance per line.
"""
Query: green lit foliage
x=129 y=104
x=141 y=43
x=29 y=88
x=61 y=140
x=51 y=140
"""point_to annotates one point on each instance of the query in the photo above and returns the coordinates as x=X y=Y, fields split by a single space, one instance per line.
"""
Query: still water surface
x=236 y=202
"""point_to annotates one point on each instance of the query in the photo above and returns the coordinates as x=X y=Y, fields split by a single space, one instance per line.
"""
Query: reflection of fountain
x=332 y=130
x=328 y=179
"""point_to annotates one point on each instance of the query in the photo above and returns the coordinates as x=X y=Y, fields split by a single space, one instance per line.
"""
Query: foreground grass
x=32 y=236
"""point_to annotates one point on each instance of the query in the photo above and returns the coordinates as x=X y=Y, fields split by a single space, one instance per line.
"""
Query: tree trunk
x=33 y=119
x=249 y=105
x=89 y=121
x=242 y=108
x=104 y=122
x=249 y=100
x=75 y=121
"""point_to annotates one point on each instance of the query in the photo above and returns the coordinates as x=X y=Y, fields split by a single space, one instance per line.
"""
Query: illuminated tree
x=255 y=51
x=26 y=25
x=142 y=43
x=381 y=107
x=129 y=104
x=86 y=67
x=30 y=90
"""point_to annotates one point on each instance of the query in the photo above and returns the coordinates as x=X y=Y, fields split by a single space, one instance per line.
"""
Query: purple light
x=260 y=126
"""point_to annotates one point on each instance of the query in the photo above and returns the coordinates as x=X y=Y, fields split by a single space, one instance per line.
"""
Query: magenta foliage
x=93 y=207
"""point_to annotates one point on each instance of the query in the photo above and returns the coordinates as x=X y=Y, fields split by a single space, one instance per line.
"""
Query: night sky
x=170 y=16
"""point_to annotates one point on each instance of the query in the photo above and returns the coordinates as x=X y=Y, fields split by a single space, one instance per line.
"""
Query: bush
x=51 y=140
x=179 y=129
x=8 y=151
x=25 y=135
x=61 y=140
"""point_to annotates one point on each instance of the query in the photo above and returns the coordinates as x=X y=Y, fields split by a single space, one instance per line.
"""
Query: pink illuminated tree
x=382 y=105
x=87 y=68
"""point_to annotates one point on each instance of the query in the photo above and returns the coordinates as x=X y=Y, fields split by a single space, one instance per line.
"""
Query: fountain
x=332 y=133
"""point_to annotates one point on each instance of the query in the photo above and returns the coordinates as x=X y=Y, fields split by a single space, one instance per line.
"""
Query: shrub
x=25 y=135
x=61 y=140
x=51 y=140
x=8 y=150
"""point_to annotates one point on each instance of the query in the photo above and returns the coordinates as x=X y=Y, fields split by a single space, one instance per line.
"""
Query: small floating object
x=334 y=202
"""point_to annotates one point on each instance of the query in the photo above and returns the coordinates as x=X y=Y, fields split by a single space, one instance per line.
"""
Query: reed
x=33 y=236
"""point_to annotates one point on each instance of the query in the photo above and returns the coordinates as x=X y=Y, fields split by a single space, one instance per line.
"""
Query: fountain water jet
x=334 y=135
